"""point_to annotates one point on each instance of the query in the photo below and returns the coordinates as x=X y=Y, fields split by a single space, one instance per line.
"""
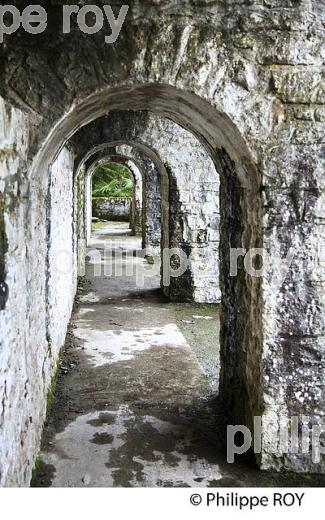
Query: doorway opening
x=112 y=195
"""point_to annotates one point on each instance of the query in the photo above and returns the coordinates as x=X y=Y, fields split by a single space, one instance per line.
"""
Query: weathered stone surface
x=36 y=313
x=245 y=77
x=61 y=269
x=196 y=228
x=147 y=200
x=112 y=208
x=301 y=86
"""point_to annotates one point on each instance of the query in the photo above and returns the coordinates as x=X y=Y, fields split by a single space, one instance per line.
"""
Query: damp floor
x=136 y=402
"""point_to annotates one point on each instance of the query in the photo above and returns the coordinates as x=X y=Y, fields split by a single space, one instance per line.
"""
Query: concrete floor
x=136 y=401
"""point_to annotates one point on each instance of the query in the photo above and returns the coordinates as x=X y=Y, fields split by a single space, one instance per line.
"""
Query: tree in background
x=112 y=180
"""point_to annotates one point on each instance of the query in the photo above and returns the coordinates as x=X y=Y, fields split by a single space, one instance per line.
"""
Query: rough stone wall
x=151 y=183
x=21 y=380
x=194 y=222
x=61 y=279
x=259 y=67
x=151 y=199
x=137 y=197
x=81 y=197
x=28 y=344
x=88 y=207
x=293 y=220
x=112 y=209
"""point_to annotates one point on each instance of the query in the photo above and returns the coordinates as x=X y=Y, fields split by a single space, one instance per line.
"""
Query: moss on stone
x=98 y=225
x=51 y=392
x=150 y=259
x=42 y=474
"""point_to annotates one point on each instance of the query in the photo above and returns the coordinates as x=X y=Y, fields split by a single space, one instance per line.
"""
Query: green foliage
x=112 y=180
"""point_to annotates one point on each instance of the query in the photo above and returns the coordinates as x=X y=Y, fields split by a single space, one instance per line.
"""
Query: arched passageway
x=240 y=187
x=169 y=351
x=182 y=204
x=154 y=178
x=113 y=191
x=238 y=104
x=135 y=213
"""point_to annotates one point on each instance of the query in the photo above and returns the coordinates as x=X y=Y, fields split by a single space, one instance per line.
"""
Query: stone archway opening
x=228 y=152
x=134 y=210
x=113 y=194
x=243 y=317
x=182 y=206
x=247 y=83
x=238 y=188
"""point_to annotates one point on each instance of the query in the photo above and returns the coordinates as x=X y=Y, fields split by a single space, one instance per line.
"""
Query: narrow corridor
x=133 y=385
x=135 y=404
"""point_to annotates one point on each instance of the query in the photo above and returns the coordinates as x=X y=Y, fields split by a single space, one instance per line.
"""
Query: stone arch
x=242 y=336
x=139 y=160
x=252 y=329
x=136 y=173
x=194 y=212
x=248 y=95
x=155 y=210
x=193 y=197
x=211 y=125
